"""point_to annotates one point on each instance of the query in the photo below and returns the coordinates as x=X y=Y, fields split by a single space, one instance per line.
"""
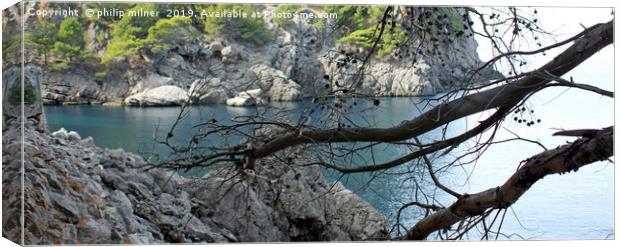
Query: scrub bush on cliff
x=251 y=28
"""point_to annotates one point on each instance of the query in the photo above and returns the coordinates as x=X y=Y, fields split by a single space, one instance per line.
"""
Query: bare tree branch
x=565 y=83
x=565 y=158
x=593 y=40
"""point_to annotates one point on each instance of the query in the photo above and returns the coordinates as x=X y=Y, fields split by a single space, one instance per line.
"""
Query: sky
x=562 y=22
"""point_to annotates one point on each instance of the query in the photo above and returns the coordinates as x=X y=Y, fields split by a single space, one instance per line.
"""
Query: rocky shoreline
x=78 y=193
x=301 y=61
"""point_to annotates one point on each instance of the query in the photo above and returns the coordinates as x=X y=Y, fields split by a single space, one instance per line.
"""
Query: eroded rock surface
x=78 y=193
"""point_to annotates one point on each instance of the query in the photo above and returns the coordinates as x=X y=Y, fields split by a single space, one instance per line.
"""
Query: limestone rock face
x=77 y=85
x=159 y=96
x=355 y=217
x=78 y=193
x=291 y=66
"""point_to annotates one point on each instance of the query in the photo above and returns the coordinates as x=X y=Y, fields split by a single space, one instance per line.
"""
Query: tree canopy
x=70 y=40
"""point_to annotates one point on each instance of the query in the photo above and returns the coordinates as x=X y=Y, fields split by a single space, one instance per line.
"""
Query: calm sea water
x=578 y=205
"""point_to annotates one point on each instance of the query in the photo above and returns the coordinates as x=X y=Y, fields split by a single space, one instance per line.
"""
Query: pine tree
x=70 y=40
x=43 y=37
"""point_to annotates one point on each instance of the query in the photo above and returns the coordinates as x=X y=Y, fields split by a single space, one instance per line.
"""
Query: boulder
x=216 y=96
x=152 y=80
x=159 y=96
x=207 y=91
x=276 y=84
x=230 y=55
x=69 y=135
x=247 y=98
x=356 y=216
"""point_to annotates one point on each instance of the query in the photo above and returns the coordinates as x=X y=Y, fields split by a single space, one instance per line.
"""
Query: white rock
x=160 y=96
x=69 y=135
x=229 y=51
x=247 y=98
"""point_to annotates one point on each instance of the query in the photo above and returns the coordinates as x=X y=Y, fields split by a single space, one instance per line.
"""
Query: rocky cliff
x=77 y=193
x=301 y=60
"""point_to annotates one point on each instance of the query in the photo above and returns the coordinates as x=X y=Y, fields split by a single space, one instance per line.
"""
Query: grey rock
x=142 y=238
x=80 y=193
x=216 y=45
x=152 y=80
x=88 y=141
x=170 y=64
x=199 y=232
x=217 y=96
x=12 y=112
x=276 y=84
x=207 y=91
x=94 y=232
x=357 y=217
x=66 y=206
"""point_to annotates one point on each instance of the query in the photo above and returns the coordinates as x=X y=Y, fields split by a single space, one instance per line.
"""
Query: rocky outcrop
x=159 y=96
x=78 y=85
x=78 y=193
x=349 y=217
x=18 y=81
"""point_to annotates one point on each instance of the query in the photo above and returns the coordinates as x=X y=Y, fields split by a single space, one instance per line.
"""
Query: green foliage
x=11 y=43
x=319 y=24
x=59 y=65
x=100 y=38
x=283 y=11
x=101 y=74
x=15 y=95
x=367 y=37
x=128 y=35
x=70 y=40
x=42 y=36
x=352 y=18
x=168 y=32
x=456 y=22
x=251 y=28
x=359 y=25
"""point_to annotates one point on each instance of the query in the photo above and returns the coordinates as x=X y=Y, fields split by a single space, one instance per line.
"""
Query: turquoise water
x=572 y=206
x=578 y=205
